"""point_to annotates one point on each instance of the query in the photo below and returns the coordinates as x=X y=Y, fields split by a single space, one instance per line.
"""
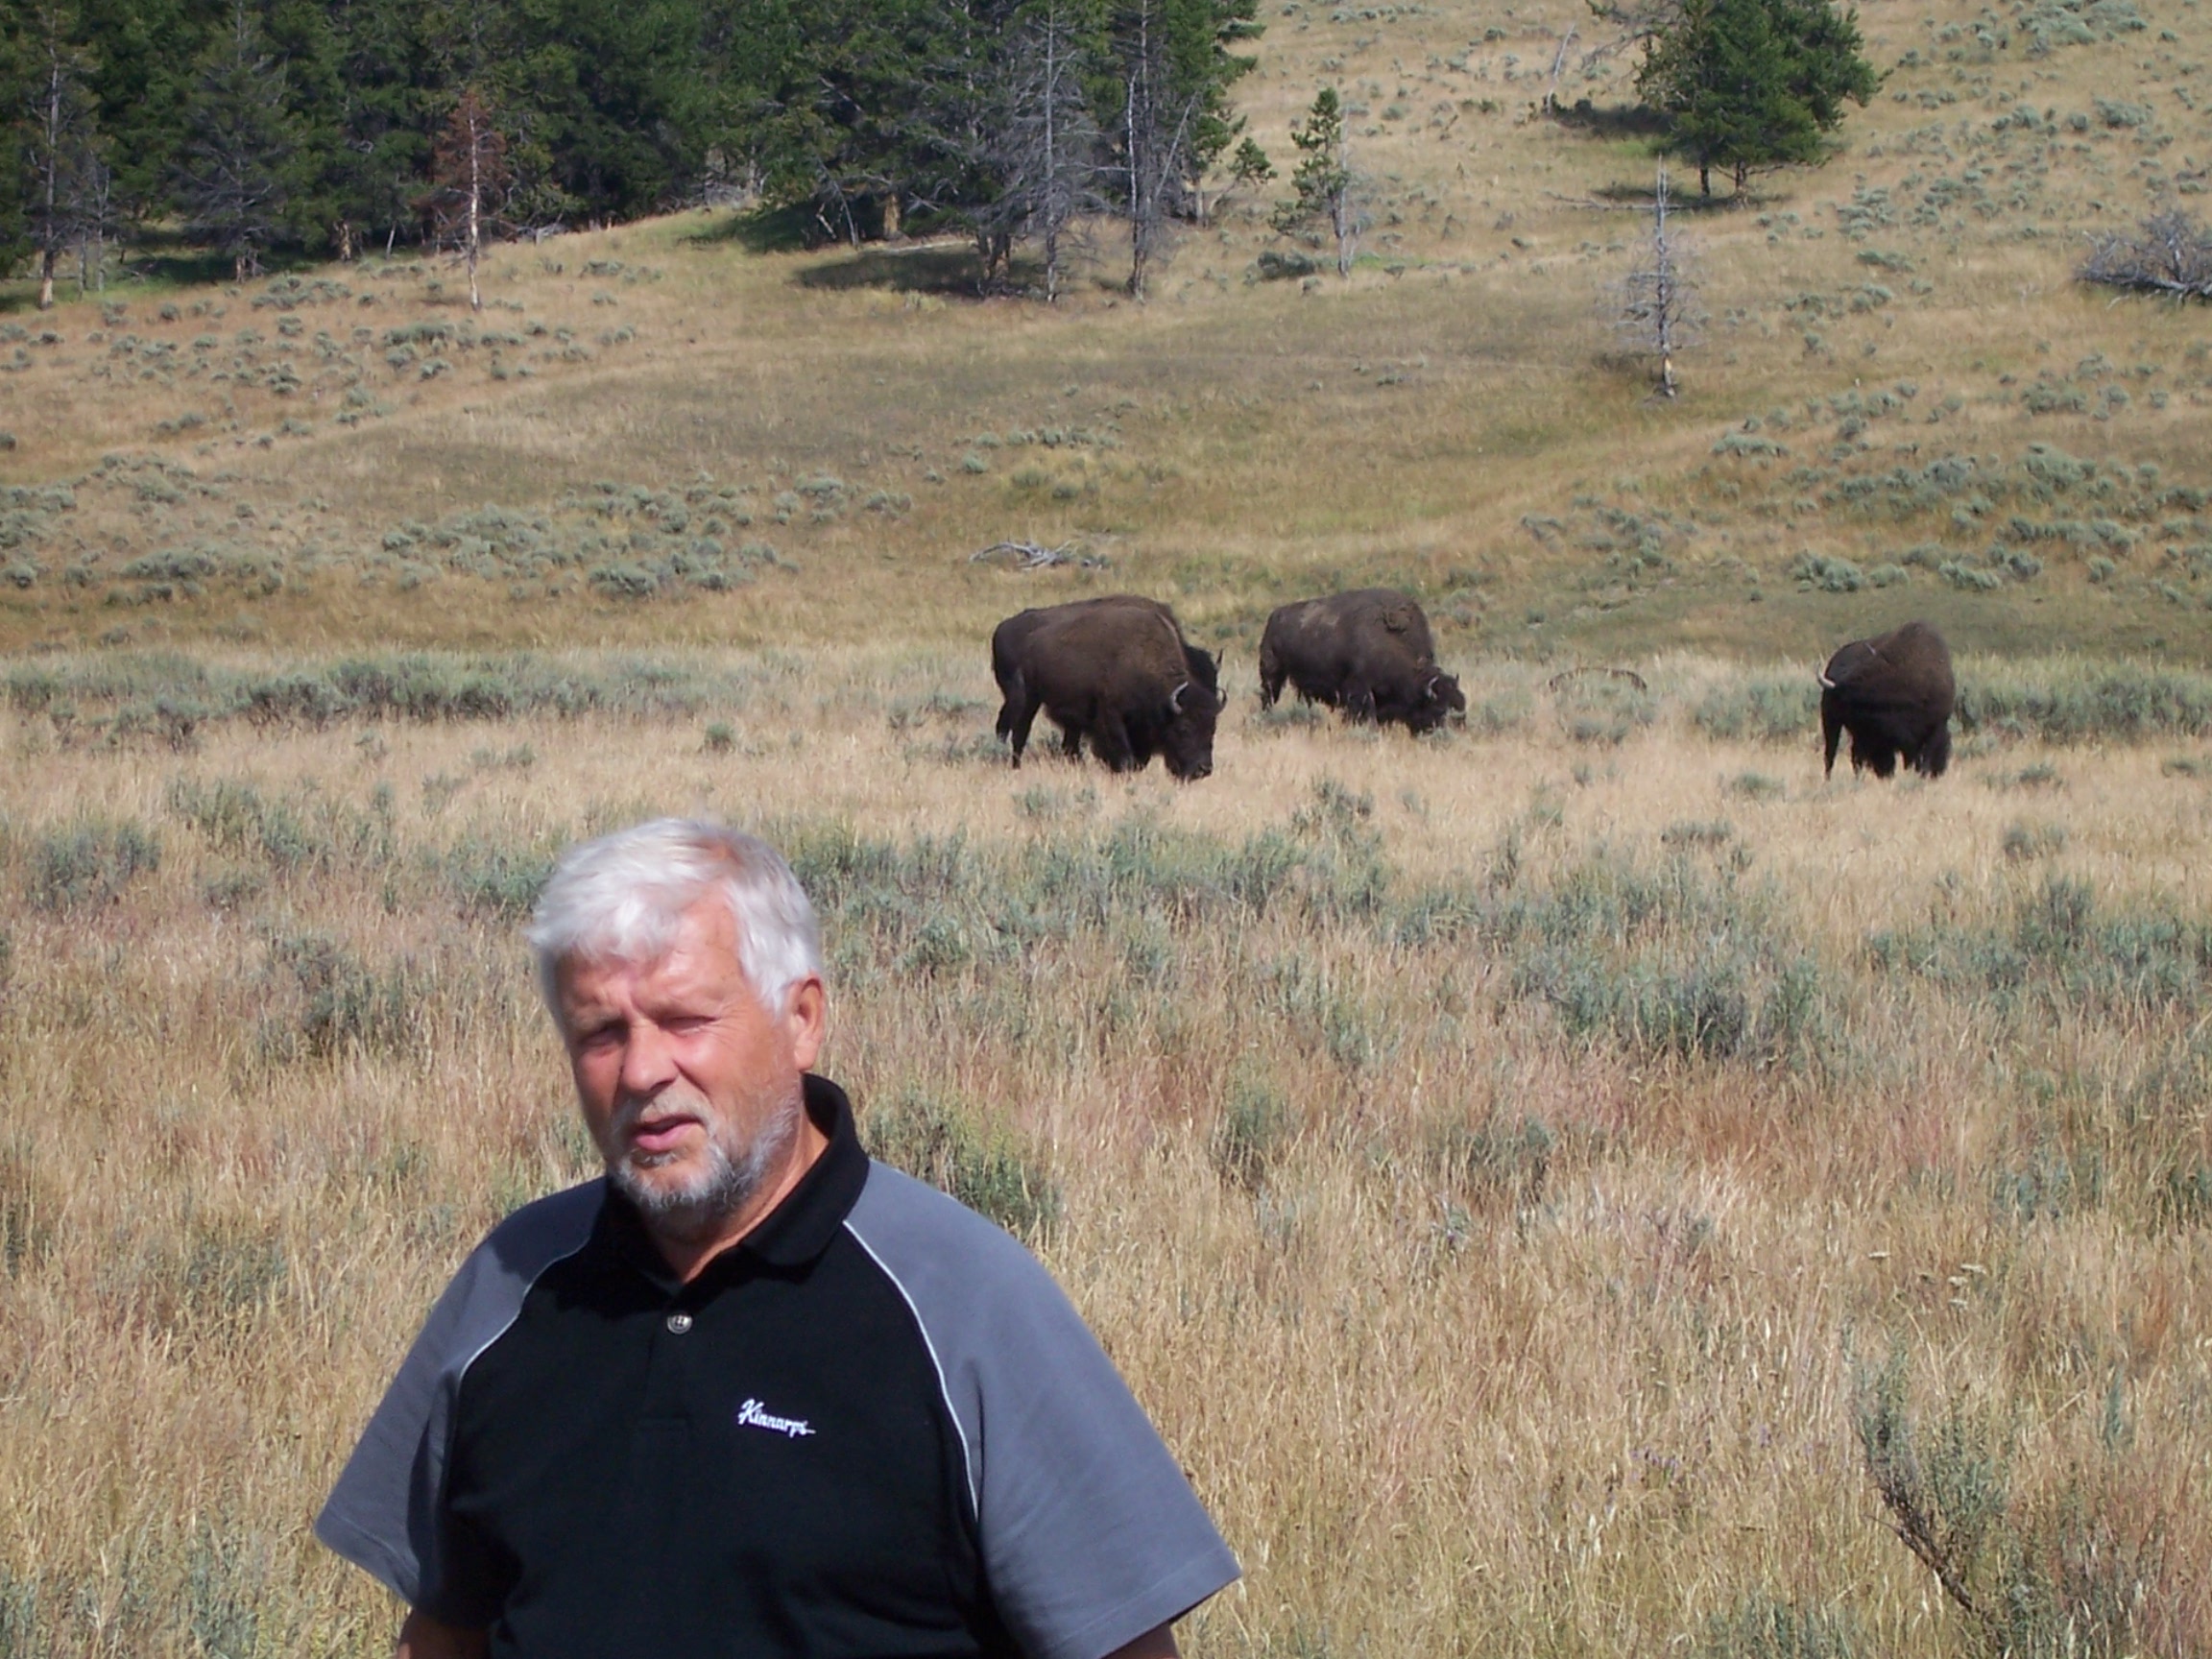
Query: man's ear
x=806 y=1020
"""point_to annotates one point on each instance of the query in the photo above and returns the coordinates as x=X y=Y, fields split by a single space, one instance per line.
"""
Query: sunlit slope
x=1903 y=402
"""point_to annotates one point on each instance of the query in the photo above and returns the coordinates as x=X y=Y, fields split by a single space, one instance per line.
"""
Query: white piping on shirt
x=944 y=1389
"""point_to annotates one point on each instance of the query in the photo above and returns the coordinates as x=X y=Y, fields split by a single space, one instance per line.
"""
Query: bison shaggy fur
x=1894 y=694
x=1115 y=670
x=1367 y=652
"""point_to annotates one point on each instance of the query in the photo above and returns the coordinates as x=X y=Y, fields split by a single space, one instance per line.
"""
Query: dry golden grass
x=1478 y=1336
x=1485 y=1321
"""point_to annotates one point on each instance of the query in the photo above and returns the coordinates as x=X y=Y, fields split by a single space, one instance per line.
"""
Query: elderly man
x=752 y=1393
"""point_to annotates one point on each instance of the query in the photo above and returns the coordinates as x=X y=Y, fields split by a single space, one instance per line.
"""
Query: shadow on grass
x=946 y=268
x=1677 y=201
x=1610 y=120
x=765 y=231
x=156 y=260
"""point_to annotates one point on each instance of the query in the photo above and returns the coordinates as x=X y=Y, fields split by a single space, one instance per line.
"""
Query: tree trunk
x=46 y=279
x=1704 y=178
x=891 y=231
x=475 y=202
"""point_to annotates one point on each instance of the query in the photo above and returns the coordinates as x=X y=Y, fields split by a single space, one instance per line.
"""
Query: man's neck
x=688 y=1258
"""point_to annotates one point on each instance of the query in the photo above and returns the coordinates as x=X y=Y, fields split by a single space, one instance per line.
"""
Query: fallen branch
x=1030 y=556
x=1564 y=675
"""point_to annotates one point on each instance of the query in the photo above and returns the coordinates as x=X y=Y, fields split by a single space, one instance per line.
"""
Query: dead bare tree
x=1048 y=143
x=1659 y=303
x=2169 y=254
x=470 y=178
x=1155 y=138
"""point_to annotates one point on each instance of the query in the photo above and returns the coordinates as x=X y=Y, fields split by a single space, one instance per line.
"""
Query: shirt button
x=679 y=1323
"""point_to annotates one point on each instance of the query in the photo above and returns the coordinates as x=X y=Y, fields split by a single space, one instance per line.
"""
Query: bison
x=1008 y=643
x=1367 y=652
x=1894 y=694
x=1115 y=670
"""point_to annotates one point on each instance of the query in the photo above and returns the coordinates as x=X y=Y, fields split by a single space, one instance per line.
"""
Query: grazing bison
x=1893 y=693
x=1367 y=652
x=1115 y=670
x=1009 y=642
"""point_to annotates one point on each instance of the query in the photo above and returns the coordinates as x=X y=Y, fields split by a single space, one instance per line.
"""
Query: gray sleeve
x=1090 y=1534
x=385 y=1513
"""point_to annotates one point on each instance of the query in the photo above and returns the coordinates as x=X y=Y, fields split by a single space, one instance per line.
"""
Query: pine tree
x=64 y=178
x=1323 y=184
x=144 y=57
x=233 y=180
x=1174 y=69
x=1749 y=85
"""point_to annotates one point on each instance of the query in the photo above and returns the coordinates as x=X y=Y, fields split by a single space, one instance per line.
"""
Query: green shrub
x=237 y=818
x=1668 y=961
x=1828 y=574
x=2072 y=702
x=87 y=864
x=1257 y=1126
x=502 y=882
x=328 y=1002
x=1761 y=1627
x=1494 y=1159
x=1770 y=708
x=942 y=1141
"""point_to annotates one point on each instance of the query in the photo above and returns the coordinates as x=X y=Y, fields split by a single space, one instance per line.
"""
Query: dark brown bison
x=1894 y=694
x=1008 y=643
x=1367 y=652
x=1115 y=670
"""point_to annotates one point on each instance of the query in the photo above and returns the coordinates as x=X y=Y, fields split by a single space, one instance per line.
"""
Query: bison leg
x=1017 y=730
x=1110 y=743
x=1873 y=752
x=1071 y=742
x=1832 y=729
x=1270 y=681
x=1935 y=753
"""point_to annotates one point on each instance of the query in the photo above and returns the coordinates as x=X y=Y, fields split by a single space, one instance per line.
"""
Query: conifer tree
x=63 y=187
x=233 y=179
x=1323 y=184
x=1749 y=85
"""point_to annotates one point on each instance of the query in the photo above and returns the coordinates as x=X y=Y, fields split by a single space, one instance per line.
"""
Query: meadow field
x=1579 y=1184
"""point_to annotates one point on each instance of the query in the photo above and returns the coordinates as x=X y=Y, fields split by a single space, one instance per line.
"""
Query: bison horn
x=1429 y=691
x=1175 y=698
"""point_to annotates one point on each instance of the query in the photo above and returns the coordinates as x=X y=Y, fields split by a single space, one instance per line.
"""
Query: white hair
x=622 y=897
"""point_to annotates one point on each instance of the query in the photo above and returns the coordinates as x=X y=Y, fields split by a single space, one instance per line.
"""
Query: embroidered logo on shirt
x=750 y=1415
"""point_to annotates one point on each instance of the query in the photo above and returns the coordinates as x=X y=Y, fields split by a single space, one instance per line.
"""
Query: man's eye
x=600 y=1038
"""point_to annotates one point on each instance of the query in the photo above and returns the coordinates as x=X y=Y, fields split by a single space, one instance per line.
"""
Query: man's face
x=689 y=1087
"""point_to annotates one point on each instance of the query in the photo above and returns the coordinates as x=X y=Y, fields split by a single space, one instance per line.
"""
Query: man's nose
x=648 y=1063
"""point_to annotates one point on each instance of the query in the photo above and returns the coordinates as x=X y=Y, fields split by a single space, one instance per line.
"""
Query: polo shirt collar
x=794 y=1233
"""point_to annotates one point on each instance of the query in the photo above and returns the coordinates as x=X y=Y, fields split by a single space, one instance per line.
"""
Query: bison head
x=1441 y=700
x=1186 y=740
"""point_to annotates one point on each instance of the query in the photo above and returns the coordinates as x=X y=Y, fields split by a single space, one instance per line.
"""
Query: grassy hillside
x=1903 y=403
x=1575 y=1186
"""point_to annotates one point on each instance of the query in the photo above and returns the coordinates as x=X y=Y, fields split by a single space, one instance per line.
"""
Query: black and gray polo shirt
x=875 y=1426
